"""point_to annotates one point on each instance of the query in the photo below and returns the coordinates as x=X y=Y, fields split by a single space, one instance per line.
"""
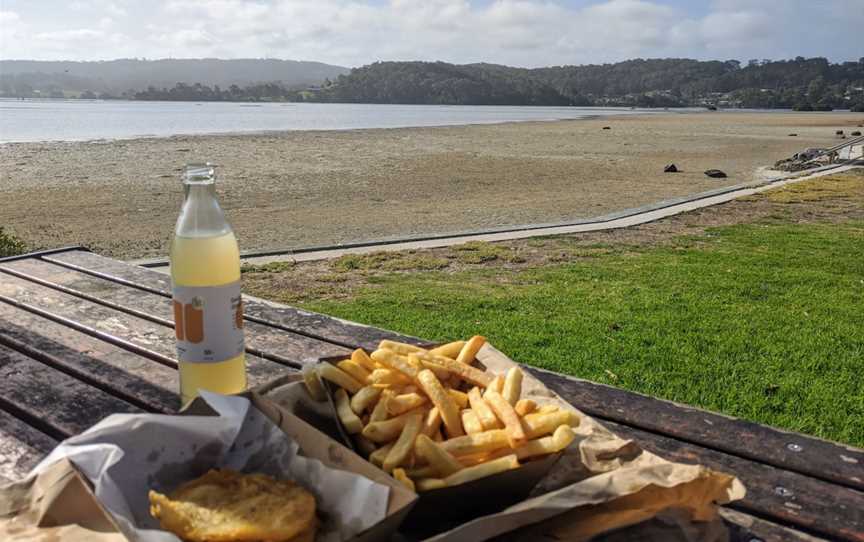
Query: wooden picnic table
x=83 y=336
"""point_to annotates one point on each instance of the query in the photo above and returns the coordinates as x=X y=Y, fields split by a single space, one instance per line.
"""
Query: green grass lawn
x=761 y=321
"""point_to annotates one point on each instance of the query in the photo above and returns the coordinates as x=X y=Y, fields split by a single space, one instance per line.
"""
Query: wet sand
x=293 y=189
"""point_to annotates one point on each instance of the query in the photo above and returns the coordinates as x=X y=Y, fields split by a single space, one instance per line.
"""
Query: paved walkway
x=625 y=219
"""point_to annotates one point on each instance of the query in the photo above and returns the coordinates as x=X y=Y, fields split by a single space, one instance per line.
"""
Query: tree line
x=800 y=83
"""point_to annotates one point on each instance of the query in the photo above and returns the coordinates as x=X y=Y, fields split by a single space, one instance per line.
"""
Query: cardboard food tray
x=60 y=501
x=603 y=483
x=477 y=497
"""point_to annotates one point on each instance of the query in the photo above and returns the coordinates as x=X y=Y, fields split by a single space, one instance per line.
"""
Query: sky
x=352 y=33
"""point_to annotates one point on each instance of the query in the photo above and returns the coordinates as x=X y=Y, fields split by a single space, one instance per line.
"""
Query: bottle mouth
x=200 y=173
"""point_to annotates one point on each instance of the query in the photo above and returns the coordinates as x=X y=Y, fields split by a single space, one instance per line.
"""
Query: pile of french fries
x=433 y=419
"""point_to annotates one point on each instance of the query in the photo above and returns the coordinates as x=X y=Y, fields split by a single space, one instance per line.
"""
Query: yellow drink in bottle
x=205 y=275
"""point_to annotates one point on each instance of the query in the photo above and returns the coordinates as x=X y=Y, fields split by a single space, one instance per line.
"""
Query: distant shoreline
x=436 y=116
x=468 y=116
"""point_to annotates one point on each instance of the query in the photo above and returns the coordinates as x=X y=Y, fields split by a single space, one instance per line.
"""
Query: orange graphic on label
x=178 y=320
x=189 y=321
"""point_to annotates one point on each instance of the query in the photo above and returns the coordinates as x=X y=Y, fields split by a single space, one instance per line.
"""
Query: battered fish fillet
x=226 y=506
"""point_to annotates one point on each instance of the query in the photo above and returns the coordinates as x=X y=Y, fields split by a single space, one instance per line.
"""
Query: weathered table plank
x=144 y=334
x=348 y=334
x=49 y=400
x=746 y=528
x=815 y=457
x=21 y=447
x=263 y=341
x=150 y=385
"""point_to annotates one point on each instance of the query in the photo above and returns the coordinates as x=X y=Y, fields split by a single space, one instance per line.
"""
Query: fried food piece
x=449 y=350
x=313 y=383
x=508 y=416
x=525 y=406
x=481 y=408
x=512 y=385
x=226 y=506
x=441 y=399
x=482 y=470
x=466 y=355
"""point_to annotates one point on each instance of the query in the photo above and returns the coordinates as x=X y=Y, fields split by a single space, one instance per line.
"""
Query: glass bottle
x=205 y=279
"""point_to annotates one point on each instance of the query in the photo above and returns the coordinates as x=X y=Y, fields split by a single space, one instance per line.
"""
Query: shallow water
x=82 y=120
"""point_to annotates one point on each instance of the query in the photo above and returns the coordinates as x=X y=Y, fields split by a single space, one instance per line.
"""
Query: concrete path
x=625 y=219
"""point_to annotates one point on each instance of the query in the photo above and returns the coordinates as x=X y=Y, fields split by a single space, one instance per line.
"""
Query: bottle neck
x=201 y=215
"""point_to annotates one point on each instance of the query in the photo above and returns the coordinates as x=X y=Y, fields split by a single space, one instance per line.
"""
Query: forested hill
x=799 y=82
x=115 y=77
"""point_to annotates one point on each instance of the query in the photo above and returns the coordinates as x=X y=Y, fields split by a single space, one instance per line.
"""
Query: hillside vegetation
x=801 y=83
x=659 y=82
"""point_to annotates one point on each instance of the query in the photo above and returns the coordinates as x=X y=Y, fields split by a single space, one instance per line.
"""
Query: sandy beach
x=293 y=189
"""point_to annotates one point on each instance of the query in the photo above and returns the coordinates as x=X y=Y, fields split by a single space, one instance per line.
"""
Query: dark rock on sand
x=607 y=127
x=793 y=135
x=715 y=174
x=856 y=133
x=671 y=168
x=838 y=132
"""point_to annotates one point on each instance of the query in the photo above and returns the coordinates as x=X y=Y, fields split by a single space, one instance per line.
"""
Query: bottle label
x=208 y=322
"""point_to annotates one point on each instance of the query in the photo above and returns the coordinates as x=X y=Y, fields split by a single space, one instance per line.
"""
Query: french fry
x=364 y=445
x=400 y=475
x=350 y=421
x=470 y=422
x=339 y=377
x=475 y=459
x=361 y=358
x=512 y=385
x=400 y=348
x=540 y=424
x=405 y=443
x=380 y=412
x=377 y=457
x=440 y=373
x=465 y=372
x=497 y=384
x=426 y=471
x=469 y=351
x=388 y=377
x=432 y=422
x=354 y=369
x=545 y=409
x=449 y=350
x=397 y=362
x=404 y=402
x=508 y=416
x=482 y=470
x=487 y=418
x=486 y=441
x=525 y=406
x=364 y=398
x=428 y=484
x=441 y=460
x=388 y=430
x=313 y=383
x=460 y=397
x=441 y=399
x=560 y=439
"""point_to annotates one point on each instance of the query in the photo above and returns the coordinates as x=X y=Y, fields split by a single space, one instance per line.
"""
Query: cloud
x=516 y=32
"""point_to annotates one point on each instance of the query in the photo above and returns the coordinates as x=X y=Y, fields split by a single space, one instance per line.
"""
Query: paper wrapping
x=613 y=484
x=125 y=455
